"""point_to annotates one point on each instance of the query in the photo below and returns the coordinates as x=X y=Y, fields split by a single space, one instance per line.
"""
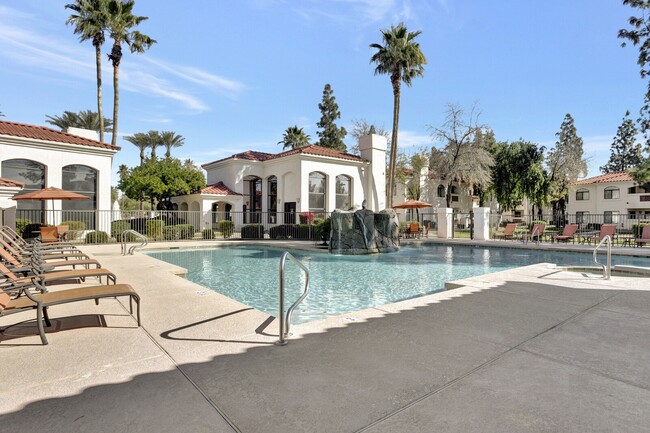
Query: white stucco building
x=609 y=195
x=257 y=187
x=40 y=157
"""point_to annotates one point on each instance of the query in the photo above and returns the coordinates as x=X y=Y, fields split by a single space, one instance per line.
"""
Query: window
x=343 y=192
x=316 y=192
x=582 y=217
x=582 y=194
x=82 y=180
x=610 y=217
x=612 y=192
x=32 y=174
x=272 y=198
x=454 y=189
x=441 y=191
x=637 y=189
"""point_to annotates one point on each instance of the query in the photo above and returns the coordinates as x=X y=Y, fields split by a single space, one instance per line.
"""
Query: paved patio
x=534 y=349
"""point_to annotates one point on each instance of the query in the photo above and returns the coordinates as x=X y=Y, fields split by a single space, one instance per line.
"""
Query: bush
x=155 y=229
x=98 y=237
x=323 y=229
x=207 y=234
x=226 y=228
x=185 y=231
x=119 y=226
x=306 y=218
x=21 y=223
x=292 y=231
x=252 y=231
x=637 y=229
x=170 y=233
x=28 y=231
x=74 y=228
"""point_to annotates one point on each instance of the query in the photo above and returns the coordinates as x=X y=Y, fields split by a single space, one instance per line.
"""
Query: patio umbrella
x=413 y=204
x=50 y=193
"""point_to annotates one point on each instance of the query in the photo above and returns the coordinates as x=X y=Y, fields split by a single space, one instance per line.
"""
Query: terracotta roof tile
x=617 y=176
x=11 y=183
x=218 y=189
x=47 y=134
x=309 y=150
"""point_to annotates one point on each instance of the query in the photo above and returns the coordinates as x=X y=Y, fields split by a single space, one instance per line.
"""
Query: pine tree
x=565 y=163
x=330 y=134
x=626 y=152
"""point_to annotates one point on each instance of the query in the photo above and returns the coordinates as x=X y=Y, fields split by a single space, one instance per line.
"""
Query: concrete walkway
x=532 y=349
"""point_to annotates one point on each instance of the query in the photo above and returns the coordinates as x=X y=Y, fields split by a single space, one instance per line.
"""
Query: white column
x=373 y=149
x=482 y=223
x=445 y=221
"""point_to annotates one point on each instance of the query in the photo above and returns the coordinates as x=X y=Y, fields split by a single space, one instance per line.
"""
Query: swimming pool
x=249 y=274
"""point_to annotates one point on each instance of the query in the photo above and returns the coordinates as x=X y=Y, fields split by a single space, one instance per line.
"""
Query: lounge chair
x=14 y=239
x=535 y=234
x=645 y=237
x=567 y=234
x=605 y=230
x=47 y=277
x=37 y=260
x=507 y=233
x=40 y=302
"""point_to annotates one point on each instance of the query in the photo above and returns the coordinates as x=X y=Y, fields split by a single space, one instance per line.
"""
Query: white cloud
x=348 y=12
x=413 y=140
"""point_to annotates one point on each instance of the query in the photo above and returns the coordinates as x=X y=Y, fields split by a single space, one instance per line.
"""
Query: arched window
x=82 y=180
x=612 y=192
x=272 y=198
x=32 y=174
x=343 y=192
x=317 y=190
x=254 y=206
x=441 y=191
x=582 y=194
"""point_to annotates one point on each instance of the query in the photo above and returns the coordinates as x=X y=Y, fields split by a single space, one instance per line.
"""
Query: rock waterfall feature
x=364 y=232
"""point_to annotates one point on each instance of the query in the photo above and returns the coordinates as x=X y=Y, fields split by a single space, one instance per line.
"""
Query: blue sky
x=233 y=75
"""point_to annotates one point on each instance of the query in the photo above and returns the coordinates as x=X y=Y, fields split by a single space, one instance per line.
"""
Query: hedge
x=74 y=229
x=292 y=231
x=207 y=234
x=185 y=231
x=21 y=224
x=155 y=229
x=252 y=231
x=118 y=227
x=226 y=228
x=98 y=237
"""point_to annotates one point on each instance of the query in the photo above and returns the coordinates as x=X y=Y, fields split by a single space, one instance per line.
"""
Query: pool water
x=249 y=274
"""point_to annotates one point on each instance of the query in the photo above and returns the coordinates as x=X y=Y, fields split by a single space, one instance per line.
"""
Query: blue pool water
x=340 y=284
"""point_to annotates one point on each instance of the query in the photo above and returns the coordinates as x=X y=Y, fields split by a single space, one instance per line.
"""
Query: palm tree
x=90 y=20
x=120 y=24
x=140 y=140
x=85 y=119
x=294 y=138
x=155 y=140
x=400 y=57
x=170 y=139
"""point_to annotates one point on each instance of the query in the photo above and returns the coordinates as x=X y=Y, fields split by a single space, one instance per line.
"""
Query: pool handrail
x=123 y=241
x=285 y=320
x=607 y=268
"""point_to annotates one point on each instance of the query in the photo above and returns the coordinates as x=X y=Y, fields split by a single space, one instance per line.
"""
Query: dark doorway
x=290 y=212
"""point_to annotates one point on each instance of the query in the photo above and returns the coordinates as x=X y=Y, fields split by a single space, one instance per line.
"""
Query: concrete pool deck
x=531 y=349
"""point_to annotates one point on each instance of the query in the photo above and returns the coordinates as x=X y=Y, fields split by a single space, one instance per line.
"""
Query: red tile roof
x=313 y=149
x=617 y=176
x=218 y=189
x=47 y=134
x=11 y=183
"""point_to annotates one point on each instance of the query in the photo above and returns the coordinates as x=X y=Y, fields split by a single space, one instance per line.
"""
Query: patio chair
x=413 y=229
x=535 y=234
x=645 y=237
x=507 y=233
x=567 y=234
x=605 y=230
x=49 y=234
x=40 y=302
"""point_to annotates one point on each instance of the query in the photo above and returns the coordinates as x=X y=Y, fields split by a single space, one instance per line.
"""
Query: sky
x=232 y=76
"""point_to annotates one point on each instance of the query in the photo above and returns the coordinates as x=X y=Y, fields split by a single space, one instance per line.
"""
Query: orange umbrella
x=412 y=204
x=50 y=193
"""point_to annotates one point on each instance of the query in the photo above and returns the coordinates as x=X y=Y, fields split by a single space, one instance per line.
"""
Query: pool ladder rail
x=285 y=320
x=607 y=267
x=123 y=241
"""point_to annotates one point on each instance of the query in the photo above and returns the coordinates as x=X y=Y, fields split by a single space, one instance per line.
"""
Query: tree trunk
x=393 y=145
x=116 y=99
x=100 y=111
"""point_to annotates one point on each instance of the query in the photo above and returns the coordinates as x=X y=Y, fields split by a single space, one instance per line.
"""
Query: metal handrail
x=607 y=268
x=123 y=241
x=285 y=321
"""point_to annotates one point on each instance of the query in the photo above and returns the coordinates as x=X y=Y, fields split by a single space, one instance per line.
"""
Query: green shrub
x=226 y=228
x=292 y=231
x=323 y=229
x=119 y=226
x=185 y=231
x=252 y=231
x=74 y=229
x=21 y=223
x=637 y=229
x=155 y=229
x=98 y=237
x=207 y=234
x=170 y=233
